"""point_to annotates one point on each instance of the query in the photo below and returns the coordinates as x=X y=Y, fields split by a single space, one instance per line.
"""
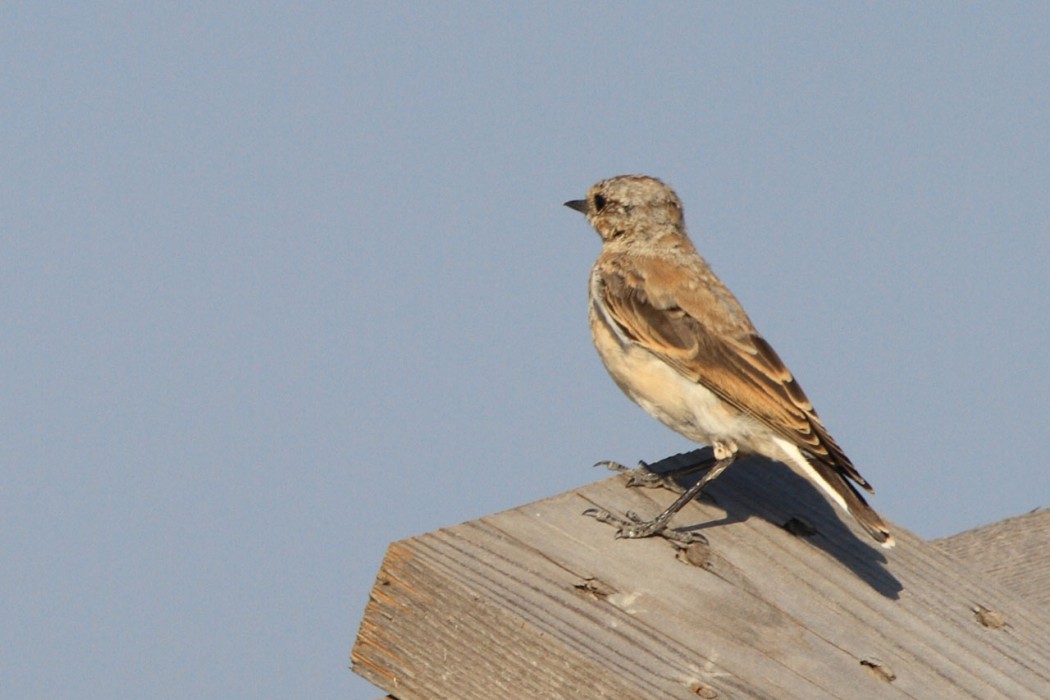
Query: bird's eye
x=599 y=202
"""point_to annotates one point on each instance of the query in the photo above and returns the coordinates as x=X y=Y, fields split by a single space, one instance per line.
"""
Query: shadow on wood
x=540 y=602
x=772 y=491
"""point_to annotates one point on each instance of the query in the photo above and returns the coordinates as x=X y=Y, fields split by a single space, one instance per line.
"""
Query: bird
x=679 y=344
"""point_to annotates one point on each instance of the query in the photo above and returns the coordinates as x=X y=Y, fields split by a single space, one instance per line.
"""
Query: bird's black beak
x=579 y=205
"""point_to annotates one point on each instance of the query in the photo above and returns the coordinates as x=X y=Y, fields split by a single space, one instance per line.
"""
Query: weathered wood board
x=540 y=602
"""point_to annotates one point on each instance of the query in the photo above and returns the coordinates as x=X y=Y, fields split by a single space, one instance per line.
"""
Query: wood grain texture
x=1014 y=551
x=540 y=602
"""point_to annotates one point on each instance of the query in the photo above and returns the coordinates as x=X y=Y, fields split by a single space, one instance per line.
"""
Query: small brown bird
x=680 y=345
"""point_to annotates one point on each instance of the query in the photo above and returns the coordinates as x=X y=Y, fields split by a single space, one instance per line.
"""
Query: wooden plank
x=1013 y=551
x=541 y=602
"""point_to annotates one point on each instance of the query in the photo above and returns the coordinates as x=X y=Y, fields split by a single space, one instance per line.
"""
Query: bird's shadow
x=754 y=486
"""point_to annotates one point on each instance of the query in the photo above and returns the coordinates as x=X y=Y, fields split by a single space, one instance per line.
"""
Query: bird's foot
x=642 y=476
x=633 y=527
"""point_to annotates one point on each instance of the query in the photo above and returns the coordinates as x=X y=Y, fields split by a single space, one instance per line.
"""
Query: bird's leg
x=634 y=527
x=643 y=475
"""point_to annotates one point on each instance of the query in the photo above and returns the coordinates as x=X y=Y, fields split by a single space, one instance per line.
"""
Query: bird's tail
x=843 y=493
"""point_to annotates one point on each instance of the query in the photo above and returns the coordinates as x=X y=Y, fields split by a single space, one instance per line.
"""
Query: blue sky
x=284 y=284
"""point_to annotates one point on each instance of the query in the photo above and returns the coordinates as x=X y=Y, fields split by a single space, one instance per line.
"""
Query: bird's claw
x=641 y=476
x=633 y=527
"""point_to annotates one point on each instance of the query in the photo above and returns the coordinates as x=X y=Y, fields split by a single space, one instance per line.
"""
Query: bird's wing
x=717 y=347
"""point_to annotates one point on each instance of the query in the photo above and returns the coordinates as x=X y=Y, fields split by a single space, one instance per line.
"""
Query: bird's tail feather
x=845 y=494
